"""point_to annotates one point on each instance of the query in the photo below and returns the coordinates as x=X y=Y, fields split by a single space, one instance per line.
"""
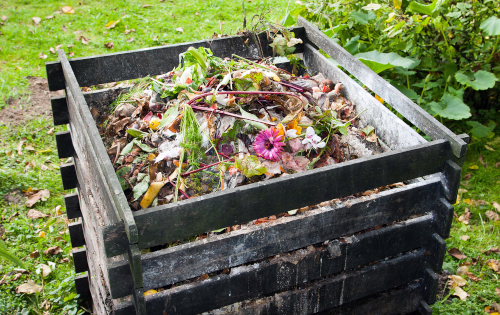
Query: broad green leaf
x=454 y=15
x=362 y=17
x=144 y=147
x=136 y=133
x=491 y=26
x=250 y=166
x=427 y=9
x=479 y=130
x=256 y=124
x=483 y=80
x=169 y=116
x=120 y=174
x=451 y=107
x=288 y=20
x=372 y=7
x=379 y=62
x=141 y=187
x=353 y=46
x=8 y=255
x=339 y=27
x=406 y=91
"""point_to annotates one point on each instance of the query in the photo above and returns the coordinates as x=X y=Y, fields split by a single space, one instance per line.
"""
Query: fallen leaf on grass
x=20 y=147
x=467 y=176
x=464 y=218
x=48 y=17
x=497 y=291
x=488 y=147
x=474 y=167
x=460 y=293
x=497 y=165
x=52 y=50
x=69 y=46
x=131 y=39
x=44 y=269
x=112 y=24
x=462 y=191
x=4 y=18
x=496 y=306
x=456 y=281
x=71 y=54
x=156 y=39
x=29 y=147
x=42 y=56
x=496 y=205
x=84 y=40
x=462 y=270
x=481 y=160
x=465 y=238
x=109 y=45
x=29 y=287
x=42 y=234
x=35 y=254
x=471 y=276
x=493 y=264
x=54 y=250
x=493 y=216
x=36 y=20
x=35 y=214
x=180 y=29
x=44 y=167
x=41 y=195
x=147 y=6
x=67 y=9
x=455 y=252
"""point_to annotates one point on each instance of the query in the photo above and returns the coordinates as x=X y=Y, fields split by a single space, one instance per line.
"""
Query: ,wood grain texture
x=164 y=224
x=194 y=259
x=80 y=260
x=152 y=61
x=388 y=127
x=64 y=145
x=406 y=107
x=331 y=291
x=294 y=268
x=68 y=176
x=72 y=206
x=76 y=234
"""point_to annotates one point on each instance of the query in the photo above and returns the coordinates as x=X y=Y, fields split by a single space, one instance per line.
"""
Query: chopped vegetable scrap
x=213 y=124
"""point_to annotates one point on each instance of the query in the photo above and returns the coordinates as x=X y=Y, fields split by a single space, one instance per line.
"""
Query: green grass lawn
x=21 y=43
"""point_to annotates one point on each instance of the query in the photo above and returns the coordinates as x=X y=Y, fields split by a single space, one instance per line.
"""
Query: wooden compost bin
x=374 y=254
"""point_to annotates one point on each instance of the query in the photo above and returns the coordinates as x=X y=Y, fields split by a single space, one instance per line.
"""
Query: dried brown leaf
x=467 y=176
x=45 y=270
x=493 y=264
x=131 y=39
x=4 y=18
x=460 y=293
x=481 y=160
x=109 y=45
x=52 y=50
x=497 y=291
x=71 y=54
x=465 y=238
x=156 y=39
x=471 y=276
x=497 y=165
x=465 y=218
x=35 y=254
x=455 y=252
x=54 y=250
x=42 y=56
x=35 y=214
x=147 y=6
x=493 y=216
x=29 y=287
x=20 y=146
x=462 y=270
x=36 y=20
x=67 y=9
x=180 y=29
x=496 y=205
x=48 y=17
x=40 y=195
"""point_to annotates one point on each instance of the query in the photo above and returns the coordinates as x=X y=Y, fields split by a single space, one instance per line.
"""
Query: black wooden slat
x=80 y=259
x=59 y=110
x=64 y=145
x=424 y=309
x=72 y=206
x=437 y=248
x=444 y=217
x=76 y=234
x=431 y=286
x=172 y=222
x=82 y=285
x=190 y=260
x=317 y=296
x=451 y=180
x=103 y=162
x=68 y=176
x=411 y=111
x=151 y=61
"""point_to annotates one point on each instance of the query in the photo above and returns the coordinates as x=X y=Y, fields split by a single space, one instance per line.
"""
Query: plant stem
x=408 y=81
x=206 y=166
x=241 y=92
x=254 y=63
x=494 y=48
x=422 y=94
x=368 y=32
x=206 y=109
x=447 y=46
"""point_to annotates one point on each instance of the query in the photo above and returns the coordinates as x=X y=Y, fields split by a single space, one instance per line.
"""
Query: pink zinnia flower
x=268 y=144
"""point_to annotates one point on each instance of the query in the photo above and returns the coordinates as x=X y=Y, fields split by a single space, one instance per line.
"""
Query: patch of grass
x=22 y=41
x=477 y=194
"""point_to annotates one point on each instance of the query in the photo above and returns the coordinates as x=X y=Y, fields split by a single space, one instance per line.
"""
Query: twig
x=207 y=166
x=206 y=109
x=182 y=192
x=117 y=153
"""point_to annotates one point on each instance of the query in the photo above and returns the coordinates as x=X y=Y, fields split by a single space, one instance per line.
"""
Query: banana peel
x=151 y=194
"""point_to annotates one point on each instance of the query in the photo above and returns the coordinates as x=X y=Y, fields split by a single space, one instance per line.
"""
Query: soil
x=36 y=103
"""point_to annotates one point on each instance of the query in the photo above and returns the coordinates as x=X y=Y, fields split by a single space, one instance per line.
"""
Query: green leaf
x=479 y=130
x=353 y=45
x=372 y=7
x=362 y=17
x=288 y=20
x=250 y=166
x=141 y=188
x=483 y=80
x=256 y=124
x=8 y=255
x=219 y=230
x=243 y=84
x=120 y=174
x=367 y=130
x=379 y=62
x=169 y=116
x=406 y=91
x=491 y=26
x=454 y=15
x=451 y=107
x=427 y=9
x=136 y=133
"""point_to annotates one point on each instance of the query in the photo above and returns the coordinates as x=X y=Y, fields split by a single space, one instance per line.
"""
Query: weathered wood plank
x=411 y=111
x=438 y=249
x=190 y=260
x=104 y=164
x=59 y=110
x=451 y=180
x=392 y=130
x=444 y=217
x=164 y=224
x=152 y=61
x=68 y=176
x=317 y=296
x=64 y=144
x=80 y=260
x=72 y=206
x=76 y=234
x=82 y=285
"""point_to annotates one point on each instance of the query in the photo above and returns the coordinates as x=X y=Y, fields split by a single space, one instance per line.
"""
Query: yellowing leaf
x=461 y=293
x=42 y=234
x=468 y=201
x=29 y=287
x=457 y=281
x=68 y=10
x=381 y=100
x=397 y=4
x=458 y=200
x=392 y=15
x=111 y=24
x=474 y=167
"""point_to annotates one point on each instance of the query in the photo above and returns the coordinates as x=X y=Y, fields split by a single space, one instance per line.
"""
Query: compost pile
x=214 y=124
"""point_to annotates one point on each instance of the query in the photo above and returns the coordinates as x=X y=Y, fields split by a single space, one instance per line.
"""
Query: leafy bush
x=421 y=48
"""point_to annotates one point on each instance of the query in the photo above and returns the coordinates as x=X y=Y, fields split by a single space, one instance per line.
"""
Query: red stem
x=182 y=192
x=206 y=109
x=206 y=166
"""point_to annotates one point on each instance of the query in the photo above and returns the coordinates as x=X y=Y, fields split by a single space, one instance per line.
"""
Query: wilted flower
x=312 y=140
x=268 y=144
